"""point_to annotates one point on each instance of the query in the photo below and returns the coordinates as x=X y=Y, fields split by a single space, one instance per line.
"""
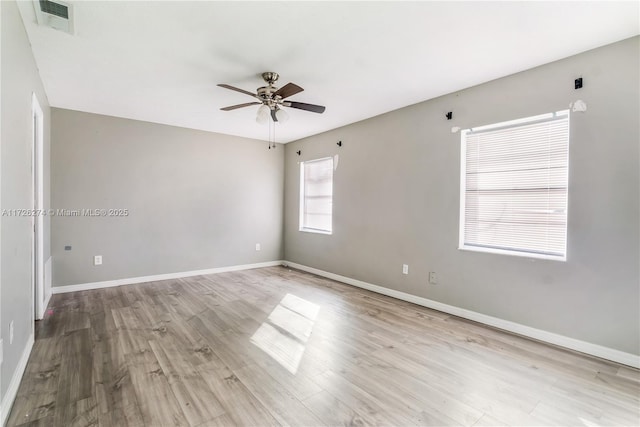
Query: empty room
x=230 y=213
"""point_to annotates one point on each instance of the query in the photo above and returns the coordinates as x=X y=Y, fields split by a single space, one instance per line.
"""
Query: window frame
x=301 y=209
x=463 y=184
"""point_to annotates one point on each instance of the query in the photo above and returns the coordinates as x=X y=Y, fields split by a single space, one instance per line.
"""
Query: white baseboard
x=12 y=391
x=538 y=334
x=157 y=277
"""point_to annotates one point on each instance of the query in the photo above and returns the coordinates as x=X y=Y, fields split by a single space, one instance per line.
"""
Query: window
x=514 y=180
x=316 y=195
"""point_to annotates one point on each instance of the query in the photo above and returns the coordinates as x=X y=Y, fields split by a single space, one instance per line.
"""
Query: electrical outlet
x=405 y=269
x=97 y=260
x=433 y=279
x=1 y=352
x=257 y=246
x=11 y=332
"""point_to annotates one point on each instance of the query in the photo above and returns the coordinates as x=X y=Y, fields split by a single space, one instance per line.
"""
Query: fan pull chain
x=274 y=136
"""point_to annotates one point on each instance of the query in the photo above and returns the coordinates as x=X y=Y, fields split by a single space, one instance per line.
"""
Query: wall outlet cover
x=433 y=278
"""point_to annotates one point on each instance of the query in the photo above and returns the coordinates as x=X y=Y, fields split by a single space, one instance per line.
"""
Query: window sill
x=512 y=253
x=312 y=230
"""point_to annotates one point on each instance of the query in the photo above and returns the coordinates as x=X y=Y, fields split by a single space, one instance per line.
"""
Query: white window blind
x=514 y=187
x=316 y=195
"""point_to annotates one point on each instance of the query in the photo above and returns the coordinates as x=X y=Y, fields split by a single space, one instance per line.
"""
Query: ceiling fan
x=271 y=99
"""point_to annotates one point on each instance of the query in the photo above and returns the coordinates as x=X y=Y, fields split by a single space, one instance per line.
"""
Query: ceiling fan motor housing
x=266 y=93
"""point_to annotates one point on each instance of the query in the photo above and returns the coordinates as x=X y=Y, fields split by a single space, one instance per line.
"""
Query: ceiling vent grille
x=55 y=14
x=56 y=9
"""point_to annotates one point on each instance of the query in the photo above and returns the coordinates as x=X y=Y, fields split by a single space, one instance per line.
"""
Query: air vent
x=55 y=14
x=54 y=9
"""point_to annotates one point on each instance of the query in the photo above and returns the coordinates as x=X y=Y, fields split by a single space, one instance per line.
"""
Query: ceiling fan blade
x=237 y=89
x=288 y=90
x=273 y=115
x=233 y=107
x=307 y=107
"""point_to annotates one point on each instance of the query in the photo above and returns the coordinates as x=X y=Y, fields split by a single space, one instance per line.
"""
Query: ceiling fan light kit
x=271 y=100
x=282 y=116
x=263 y=114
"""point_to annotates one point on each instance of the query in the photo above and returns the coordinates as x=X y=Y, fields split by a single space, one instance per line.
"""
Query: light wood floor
x=279 y=347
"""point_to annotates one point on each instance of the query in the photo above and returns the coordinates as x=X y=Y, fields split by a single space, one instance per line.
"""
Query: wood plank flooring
x=275 y=346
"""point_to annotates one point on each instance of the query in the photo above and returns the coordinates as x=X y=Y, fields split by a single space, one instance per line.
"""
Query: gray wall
x=20 y=79
x=196 y=199
x=396 y=200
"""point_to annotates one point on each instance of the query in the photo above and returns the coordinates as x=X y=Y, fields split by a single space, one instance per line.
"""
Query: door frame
x=37 y=177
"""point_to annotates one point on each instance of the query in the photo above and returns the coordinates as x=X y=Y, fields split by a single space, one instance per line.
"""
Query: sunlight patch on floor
x=284 y=334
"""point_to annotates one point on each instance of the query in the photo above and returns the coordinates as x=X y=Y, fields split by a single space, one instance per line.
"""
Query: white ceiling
x=161 y=61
